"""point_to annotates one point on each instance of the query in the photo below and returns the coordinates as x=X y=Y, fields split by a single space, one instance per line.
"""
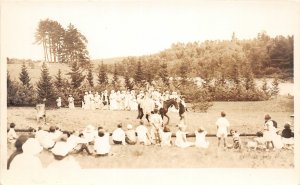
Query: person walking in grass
x=222 y=128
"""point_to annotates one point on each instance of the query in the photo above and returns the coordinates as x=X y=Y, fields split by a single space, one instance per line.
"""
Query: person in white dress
x=200 y=138
x=11 y=134
x=143 y=136
x=270 y=134
x=87 y=101
x=133 y=101
x=92 y=101
x=71 y=102
x=166 y=136
x=97 y=100
x=222 y=128
x=147 y=105
x=113 y=100
x=90 y=133
x=58 y=102
x=181 y=140
x=102 y=146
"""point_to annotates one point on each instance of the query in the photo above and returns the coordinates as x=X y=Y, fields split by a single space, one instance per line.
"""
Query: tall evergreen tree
x=163 y=73
x=24 y=76
x=115 y=81
x=45 y=87
x=128 y=84
x=138 y=76
x=76 y=76
x=275 y=87
x=183 y=72
x=59 y=81
x=102 y=75
x=90 y=76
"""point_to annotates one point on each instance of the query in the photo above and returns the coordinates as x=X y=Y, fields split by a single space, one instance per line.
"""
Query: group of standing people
x=127 y=100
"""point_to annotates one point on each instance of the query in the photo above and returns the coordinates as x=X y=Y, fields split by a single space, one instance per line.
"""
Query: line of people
x=98 y=142
x=120 y=100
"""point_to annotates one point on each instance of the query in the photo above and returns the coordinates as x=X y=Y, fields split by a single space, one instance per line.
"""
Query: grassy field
x=246 y=117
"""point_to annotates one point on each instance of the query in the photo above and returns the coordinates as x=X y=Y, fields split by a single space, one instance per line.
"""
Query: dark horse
x=182 y=110
x=162 y=111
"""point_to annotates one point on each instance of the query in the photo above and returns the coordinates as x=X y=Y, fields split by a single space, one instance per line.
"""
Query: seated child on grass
x=287 y=136
x=200 y=138
x=166 y=135
x=12 y=135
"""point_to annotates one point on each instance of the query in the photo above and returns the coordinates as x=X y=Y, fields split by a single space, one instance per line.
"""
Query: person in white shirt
x=71 y=102
x=63 y=161
x=181 y=140
x=166 y=135
x=44 y=138
x=58 y=102
x=77 y=144
x=12 y=135
x=156 y=125
x=130 y=136
x=89 y=133
x=102 y=146
x=200 y=138
x=222 y=128
x=142 y=134
x=118 y=135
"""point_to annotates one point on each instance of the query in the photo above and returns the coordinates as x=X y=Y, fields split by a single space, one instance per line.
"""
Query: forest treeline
x=227 y=69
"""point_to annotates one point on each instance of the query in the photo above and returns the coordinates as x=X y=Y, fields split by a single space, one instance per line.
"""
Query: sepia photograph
x=149 y=87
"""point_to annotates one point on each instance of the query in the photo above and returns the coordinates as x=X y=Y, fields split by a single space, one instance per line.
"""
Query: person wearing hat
x=28 y=162
x=63 y=161
x=130 y=136
x=200 y=138
x=90 y=133
x=71 y=102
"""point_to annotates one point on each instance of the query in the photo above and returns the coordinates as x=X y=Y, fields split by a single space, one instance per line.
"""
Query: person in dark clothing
x=18 y=144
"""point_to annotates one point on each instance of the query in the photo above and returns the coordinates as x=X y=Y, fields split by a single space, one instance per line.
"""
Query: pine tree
x=183 y=72
x=163 y=74
x=102 y=75
x=249 y=80
x=90 y=76
x=138 y=77
x=265 y=87
x=24 y=76
x=45 y=87
x=76 y=76
x=115 y=81
x=11 y=90
x=59 y=81
x=128 y=83
x=275 y=88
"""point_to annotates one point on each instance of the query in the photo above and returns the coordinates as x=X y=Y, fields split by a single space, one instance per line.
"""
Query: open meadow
x=245 y=117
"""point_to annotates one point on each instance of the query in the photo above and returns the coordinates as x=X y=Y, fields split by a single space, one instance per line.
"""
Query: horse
x=162 y=111
x=166 y=104
x=182 y=110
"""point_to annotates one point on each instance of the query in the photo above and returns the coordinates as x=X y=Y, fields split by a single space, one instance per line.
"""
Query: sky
x=132 y=28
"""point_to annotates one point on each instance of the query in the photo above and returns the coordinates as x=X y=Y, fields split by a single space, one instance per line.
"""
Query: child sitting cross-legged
x=200 y=138
x=165 y=135
x=287 y=137
x=102 y=146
